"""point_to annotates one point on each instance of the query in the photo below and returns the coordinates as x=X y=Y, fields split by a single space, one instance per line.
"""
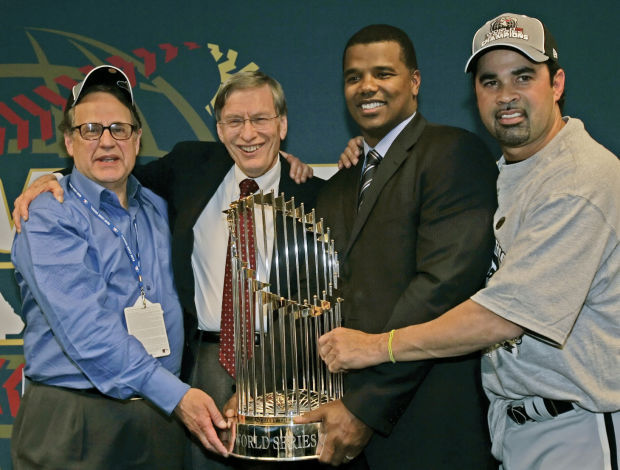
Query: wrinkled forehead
x=252 y=100
x=98 y=105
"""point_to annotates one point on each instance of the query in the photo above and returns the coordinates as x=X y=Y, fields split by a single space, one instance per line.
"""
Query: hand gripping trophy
x=279 y=374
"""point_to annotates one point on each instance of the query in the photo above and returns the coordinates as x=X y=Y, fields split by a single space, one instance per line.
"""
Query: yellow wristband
x=390 y=352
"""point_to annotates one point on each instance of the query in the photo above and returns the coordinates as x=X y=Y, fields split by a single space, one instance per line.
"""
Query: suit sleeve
x=453 y=253
x=158 y=175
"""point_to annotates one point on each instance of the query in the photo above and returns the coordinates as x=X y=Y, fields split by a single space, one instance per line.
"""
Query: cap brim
x=530 y=52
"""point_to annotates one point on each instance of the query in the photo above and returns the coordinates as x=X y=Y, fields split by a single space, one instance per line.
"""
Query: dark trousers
x=63 y=429
x=208 y=375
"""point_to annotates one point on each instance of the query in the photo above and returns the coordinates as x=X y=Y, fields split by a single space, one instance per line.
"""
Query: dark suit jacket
x=421 y=243
x=187 y=178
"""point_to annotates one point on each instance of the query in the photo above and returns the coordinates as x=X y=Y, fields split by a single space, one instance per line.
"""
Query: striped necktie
x=372 y=163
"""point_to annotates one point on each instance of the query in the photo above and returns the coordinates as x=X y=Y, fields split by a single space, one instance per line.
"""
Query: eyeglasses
x=259 y=123
x=94 y=130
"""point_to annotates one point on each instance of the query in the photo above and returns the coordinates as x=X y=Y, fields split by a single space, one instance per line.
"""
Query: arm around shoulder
x=46 y=183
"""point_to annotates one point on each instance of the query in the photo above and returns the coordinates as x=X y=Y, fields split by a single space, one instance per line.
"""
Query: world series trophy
x=279 y=373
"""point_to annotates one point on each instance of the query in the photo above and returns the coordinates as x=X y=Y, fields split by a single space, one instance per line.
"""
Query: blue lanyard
x=135 y=259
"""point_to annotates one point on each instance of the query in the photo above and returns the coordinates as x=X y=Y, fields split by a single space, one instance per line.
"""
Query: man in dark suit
x=413 y=229
x=199 y=180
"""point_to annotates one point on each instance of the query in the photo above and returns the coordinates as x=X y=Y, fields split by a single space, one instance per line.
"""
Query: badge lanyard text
x=135 y=259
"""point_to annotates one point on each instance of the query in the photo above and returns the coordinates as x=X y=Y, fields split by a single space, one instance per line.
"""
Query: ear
x=558 y=84
x=69 y=143
x=283 y=127
x=138 y=134
x=416 y=79
x=219 y=132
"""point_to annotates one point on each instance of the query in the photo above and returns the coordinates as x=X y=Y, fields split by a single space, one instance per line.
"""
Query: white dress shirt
x=211 y=243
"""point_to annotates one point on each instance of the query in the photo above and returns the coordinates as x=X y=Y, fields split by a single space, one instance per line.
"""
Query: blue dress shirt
x=76 y=280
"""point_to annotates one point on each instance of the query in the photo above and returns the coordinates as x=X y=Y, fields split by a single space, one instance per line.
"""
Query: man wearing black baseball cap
x=547 y=319
x=200 y=179
x=104 y=328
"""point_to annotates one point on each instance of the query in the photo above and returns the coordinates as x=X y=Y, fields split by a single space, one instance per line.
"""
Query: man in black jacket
x=414 y=239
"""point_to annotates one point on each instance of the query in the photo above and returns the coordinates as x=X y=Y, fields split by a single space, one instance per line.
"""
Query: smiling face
x=255 y=151
x=517 y=101
x=379 y=89
x=105 y=161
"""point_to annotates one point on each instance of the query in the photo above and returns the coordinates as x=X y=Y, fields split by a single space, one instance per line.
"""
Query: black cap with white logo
x=104 y=75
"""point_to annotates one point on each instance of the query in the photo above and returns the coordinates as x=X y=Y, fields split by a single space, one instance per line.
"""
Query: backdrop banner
x=177 y=55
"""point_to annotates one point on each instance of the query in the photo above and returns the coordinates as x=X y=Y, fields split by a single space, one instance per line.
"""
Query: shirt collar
x=95 y=193
x=550 y=147
x=266 y=181
x=384 y=144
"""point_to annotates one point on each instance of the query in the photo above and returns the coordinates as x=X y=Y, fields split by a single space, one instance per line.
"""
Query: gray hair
x=245 y=80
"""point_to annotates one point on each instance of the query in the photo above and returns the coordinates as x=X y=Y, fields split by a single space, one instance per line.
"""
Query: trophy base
x=281 y=441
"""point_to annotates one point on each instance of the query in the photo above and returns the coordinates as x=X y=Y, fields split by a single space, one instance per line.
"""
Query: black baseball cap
x=104 y=75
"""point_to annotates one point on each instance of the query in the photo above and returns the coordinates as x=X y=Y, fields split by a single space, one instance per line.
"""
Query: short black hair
x=554 y=66
x=385 y=33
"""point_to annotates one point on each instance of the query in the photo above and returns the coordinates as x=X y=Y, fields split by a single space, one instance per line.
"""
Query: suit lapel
x=350 y=191
x=399 y=151
x=212 y=174
x=286 y=185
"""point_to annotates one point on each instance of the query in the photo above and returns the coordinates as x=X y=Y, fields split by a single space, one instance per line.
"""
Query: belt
x=96 y=393
x=208 y=336
x=82 y=391
x=215 y=336
x=554 y=407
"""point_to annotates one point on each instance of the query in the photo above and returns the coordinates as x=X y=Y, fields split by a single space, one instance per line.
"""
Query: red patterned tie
x=227 y=345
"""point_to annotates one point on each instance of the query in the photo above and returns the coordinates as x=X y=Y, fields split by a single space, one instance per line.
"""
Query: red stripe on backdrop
x=22 y=125
x=45 y=117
